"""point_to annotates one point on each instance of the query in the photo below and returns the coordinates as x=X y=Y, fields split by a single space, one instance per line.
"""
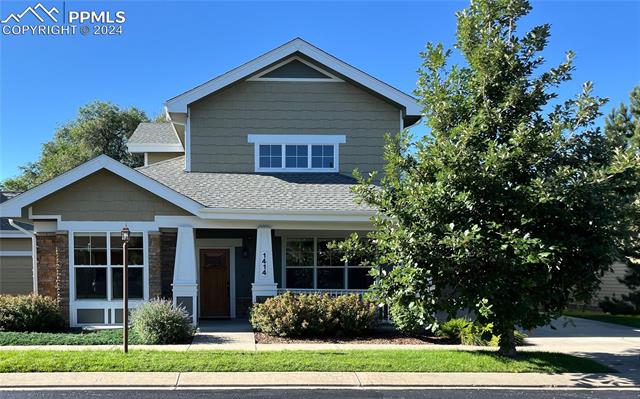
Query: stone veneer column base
x=52 y=254
x=243 y=307
x=167 y=262
x=155 y=265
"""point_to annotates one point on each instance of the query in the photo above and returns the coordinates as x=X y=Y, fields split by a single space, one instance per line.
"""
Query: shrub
x=517 y=335
x=467 y=332
x=32 y=313
x=157 y=322
x=477 y=334
x=453 y=328
x=615 y=305
x=290 y=315
x=407 y=319
x=351 y=314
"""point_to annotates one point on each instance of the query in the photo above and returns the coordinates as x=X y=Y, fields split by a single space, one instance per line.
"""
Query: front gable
x=104 y=196
x=101 y=184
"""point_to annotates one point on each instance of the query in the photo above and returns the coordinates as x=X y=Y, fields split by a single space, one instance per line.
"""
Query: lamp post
x=125 y=289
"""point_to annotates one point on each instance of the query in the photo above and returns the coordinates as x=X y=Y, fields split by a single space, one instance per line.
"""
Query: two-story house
x=243 y=186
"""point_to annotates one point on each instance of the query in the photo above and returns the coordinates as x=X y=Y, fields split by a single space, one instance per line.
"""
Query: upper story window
x=296 y=153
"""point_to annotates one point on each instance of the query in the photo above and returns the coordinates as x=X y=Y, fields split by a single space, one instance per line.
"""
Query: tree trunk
x=507 y=343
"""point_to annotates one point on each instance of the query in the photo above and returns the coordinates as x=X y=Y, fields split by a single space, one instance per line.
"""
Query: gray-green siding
x=221 y=122
x=104 y=195
x=16 y=275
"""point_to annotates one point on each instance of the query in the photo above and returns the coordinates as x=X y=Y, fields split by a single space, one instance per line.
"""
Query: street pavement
x=327 y=394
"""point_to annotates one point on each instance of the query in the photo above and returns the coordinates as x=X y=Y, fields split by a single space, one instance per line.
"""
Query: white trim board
x=297 y=138
x=180 y=103
x=13 y=207
x=15 y=253
x=13 y=234
x=151 y=147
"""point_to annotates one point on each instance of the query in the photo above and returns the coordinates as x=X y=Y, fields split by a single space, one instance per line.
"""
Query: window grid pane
x=91 y=283
x=270 y=156
x=296 y=156
x=299 y=252
x=135 y=249
x=322 y=156
x=90 y=249
x=136 y=282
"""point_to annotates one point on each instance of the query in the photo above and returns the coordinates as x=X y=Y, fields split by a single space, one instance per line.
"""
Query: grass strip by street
x=625 y=320
x=98 y=337
x=334 y=360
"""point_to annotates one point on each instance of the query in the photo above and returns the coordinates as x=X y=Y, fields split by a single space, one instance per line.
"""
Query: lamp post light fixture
x=125 y=289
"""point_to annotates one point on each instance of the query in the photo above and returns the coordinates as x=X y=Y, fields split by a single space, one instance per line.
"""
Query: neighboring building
x=242 y=188
x=16 y=263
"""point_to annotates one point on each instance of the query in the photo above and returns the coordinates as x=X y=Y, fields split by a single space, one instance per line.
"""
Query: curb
x=306 y=380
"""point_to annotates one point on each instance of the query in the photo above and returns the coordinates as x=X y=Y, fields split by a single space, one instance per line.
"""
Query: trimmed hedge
x=33 y=313
x=310 y=315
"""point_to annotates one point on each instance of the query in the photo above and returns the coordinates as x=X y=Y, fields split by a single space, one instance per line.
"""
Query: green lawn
x=337 y=360
x=98 y=337
x=625 y=320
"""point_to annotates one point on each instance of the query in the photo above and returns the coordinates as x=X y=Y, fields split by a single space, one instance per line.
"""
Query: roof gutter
x=34 y=258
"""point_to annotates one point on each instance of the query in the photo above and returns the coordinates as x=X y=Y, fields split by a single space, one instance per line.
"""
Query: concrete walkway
x=611 y=344
x=311 y=379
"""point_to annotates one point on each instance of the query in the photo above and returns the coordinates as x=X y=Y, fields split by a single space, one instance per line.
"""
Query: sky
x=166 y=48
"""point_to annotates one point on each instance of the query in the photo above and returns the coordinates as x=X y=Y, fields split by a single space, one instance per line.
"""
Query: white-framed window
x=308 y=263
x=296 y=153
x=97 y=266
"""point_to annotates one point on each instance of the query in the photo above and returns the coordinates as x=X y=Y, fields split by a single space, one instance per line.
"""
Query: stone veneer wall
x=155 y=265
x=168 y=241
x=243 y=306
x=53 y=267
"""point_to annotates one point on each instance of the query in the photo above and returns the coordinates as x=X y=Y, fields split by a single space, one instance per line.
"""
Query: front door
x=214 y=283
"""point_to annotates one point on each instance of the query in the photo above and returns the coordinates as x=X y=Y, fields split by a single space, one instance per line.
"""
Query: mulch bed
x=375 y=337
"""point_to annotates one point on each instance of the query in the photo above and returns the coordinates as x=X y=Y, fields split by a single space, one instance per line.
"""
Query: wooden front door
x=214 y=283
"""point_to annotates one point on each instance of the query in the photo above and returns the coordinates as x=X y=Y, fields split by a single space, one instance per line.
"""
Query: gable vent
x=296 y=69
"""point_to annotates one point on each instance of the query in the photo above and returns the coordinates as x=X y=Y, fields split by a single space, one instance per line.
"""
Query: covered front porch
x=218 y=273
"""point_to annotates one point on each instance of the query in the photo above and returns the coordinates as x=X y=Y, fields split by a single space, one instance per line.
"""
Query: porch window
x=97 y=263
x=310 y=264
x=90 y=260
x=135 y=262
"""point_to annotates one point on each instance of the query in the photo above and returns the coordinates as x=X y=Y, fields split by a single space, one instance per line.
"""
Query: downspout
x=34 y=257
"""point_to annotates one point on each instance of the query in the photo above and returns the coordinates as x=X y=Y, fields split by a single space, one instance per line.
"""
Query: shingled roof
x=258 y=191
x=4 y=222
x=154 y=133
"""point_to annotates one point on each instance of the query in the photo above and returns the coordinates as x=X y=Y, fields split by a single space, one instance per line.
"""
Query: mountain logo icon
x=35 y=11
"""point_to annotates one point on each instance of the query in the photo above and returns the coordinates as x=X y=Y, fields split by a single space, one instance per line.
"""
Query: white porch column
x=185 y=285
x=263 y=281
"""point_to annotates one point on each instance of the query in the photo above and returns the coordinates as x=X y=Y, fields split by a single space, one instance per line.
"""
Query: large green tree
x=512 y=204
x=623 y=126
x=99 y=128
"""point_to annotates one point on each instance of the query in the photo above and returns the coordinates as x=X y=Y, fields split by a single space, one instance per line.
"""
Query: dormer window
x=296 y=153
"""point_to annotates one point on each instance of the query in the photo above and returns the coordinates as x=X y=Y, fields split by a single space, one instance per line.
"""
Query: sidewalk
x=312 y=379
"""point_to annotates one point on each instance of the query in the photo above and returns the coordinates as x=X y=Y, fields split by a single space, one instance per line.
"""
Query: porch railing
x=382 y=311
